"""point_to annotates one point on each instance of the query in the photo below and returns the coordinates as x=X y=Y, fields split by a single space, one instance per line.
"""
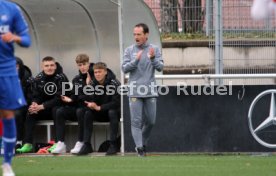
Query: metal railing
x=197 y=16
x=216 y=76
x=208 y=77
x=237 y=43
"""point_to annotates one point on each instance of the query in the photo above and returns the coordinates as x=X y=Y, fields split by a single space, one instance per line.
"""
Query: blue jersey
x=11 y=20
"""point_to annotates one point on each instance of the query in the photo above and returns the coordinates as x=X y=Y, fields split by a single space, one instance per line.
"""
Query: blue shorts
x=11 y=94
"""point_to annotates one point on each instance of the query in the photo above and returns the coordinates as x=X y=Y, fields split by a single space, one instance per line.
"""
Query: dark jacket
x=50 y=98
x=106 y=95
x=26 y=79
x=80 y=82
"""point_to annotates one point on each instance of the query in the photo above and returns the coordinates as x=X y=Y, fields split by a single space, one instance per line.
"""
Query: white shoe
x=60 y=148
x=77 y=147
x=7 y=170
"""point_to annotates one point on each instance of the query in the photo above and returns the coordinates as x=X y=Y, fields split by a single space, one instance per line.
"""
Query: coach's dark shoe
x=112 y=150
x=86 y=149
x=140 y=151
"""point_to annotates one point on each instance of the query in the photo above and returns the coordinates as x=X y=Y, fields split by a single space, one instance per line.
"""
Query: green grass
x=164 y=165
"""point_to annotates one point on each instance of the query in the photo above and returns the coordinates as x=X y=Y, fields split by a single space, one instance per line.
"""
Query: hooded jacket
x=106 y=95
x=49 y=98
x=26 y=79
x=79 y=82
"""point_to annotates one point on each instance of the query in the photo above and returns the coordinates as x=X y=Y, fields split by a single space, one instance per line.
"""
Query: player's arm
x=23 y=40
x=20 y=32
x=10 y=37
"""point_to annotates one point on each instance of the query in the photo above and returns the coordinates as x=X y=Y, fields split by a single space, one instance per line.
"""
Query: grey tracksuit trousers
x=141 y=126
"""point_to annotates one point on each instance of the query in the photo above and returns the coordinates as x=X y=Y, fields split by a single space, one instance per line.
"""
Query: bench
x=49 y=123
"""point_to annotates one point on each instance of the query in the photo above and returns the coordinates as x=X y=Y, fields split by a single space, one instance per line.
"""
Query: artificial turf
x=162 y=165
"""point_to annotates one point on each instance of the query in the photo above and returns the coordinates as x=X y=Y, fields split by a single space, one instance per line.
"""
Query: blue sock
x=9 y=138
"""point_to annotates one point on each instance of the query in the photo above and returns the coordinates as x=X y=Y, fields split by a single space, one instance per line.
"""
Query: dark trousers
x=80 y=114
x=62 y=114
x=90 y=116
x=31 y=119
x=20 y=117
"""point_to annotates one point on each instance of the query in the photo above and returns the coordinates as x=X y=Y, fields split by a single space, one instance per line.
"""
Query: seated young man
x=46 y=98
x=102 y=106
x=73 y=105
x=26 y=81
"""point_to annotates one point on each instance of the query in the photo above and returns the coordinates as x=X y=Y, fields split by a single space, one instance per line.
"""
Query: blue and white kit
x=11 y=20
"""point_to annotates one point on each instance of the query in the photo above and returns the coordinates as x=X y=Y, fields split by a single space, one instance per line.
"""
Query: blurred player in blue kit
x=13 y=29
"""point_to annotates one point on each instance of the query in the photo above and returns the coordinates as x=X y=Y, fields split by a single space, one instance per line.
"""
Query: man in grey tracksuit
x=140 y=61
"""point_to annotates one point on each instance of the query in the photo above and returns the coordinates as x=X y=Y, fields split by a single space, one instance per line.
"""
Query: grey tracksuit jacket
x=142 y=82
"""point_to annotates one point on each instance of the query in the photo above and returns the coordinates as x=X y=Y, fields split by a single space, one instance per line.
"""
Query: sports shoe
x=77 y=148
x=112 y=150
x=7 y=170
x=86 y=149
x=52 y=148
x=140 y=151
x=60 y=148
x=27 y=148
x=18 y=146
